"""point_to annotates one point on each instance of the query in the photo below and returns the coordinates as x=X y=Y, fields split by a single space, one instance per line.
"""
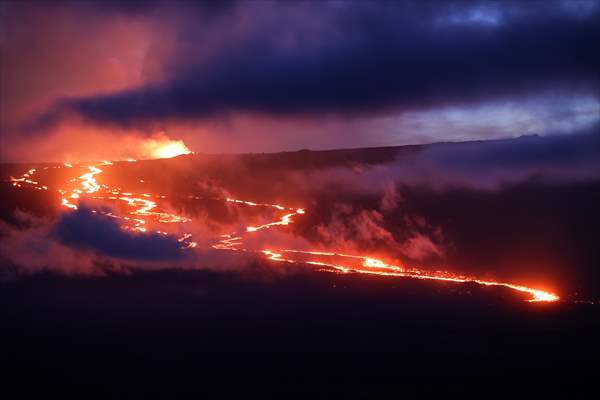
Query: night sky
x=271 y=76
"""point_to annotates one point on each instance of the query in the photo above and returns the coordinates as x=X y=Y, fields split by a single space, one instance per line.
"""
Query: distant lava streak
x=145 y=207
x=375 y=266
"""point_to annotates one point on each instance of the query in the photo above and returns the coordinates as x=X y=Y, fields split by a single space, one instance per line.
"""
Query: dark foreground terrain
x=171 y=333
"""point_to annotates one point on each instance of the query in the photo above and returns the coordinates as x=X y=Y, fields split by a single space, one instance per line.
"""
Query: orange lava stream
x=141 y=206
x=369 y=265
x=375 y=266
x=144 y=207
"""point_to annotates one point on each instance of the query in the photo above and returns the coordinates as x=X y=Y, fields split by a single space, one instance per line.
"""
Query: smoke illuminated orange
x=163 y=147
x=145 y=207
x=171 y=150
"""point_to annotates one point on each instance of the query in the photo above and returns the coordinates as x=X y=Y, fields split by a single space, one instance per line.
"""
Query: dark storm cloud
x=86 y=229
x=364 y=58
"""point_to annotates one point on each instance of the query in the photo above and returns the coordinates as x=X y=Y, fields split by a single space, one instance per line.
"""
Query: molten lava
x=143 y=208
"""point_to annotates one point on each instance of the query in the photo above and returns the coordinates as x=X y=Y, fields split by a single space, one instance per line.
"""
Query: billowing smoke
x=487 y=209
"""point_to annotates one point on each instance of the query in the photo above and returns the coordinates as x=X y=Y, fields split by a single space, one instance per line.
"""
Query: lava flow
x=375 y=266
x=143 y=208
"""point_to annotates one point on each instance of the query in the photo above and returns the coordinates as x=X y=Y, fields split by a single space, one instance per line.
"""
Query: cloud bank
x=271 y=76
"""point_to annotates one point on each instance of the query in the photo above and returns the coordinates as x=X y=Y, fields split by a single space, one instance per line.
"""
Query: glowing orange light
x=142 y=209
x=160 y=146
x=171 y=150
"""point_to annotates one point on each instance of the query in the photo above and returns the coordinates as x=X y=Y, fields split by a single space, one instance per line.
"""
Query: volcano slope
x=87 y=317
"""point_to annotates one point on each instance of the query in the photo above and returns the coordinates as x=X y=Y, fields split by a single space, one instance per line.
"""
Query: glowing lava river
x=144 y=209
